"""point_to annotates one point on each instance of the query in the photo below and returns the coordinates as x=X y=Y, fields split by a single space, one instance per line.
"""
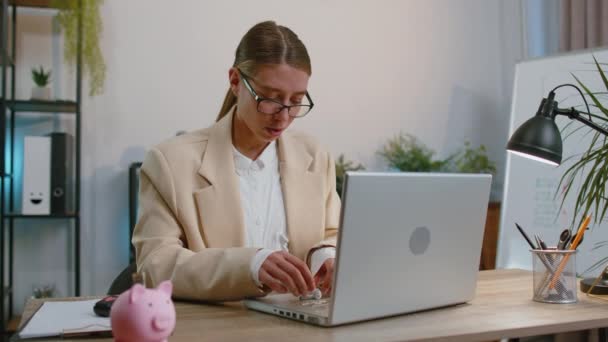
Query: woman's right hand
x=283 y=272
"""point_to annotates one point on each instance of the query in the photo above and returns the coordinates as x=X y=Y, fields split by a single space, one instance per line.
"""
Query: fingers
x=271 y=282
x=303 y=271
x=317 y=278
x=327 y=283
x=290 y=272
x=325 y=276
x=278 y=273
x=296 y=273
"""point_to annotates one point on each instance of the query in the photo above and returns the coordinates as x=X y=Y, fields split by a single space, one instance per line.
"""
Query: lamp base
x=601 y=288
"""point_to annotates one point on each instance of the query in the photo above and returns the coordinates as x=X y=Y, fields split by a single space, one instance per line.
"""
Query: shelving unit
x=12 y=107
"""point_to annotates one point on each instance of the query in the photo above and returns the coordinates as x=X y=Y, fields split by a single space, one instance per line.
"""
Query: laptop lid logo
x=420 y=240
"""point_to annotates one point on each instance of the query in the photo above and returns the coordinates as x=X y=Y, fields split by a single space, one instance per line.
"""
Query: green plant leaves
x=342 y=166
x=405 y=152
x=41 y=77
x=93 y=63
x=473 y=160
x=591 y=194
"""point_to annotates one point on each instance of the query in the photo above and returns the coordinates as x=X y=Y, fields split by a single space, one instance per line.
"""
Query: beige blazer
x=191 y=227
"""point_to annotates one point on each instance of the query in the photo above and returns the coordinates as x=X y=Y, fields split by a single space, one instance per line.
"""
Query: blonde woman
x=245 y=206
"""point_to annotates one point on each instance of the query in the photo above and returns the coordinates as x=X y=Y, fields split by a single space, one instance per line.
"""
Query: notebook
x=66 y=318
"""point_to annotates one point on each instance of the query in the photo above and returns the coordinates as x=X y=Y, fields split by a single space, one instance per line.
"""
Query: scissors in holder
x=564 y=239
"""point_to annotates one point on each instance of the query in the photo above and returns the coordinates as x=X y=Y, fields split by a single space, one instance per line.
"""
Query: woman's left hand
x=324 y=277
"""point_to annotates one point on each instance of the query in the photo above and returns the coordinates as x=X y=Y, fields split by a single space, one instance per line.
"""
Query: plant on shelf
x=591 y=167
x=405 y=152
x=474 y=160
x=343 y=165
x=93 y=63
x=44 y=291
x=41 y=91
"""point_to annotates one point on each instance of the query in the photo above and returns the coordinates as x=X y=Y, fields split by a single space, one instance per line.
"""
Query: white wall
x=439 y=69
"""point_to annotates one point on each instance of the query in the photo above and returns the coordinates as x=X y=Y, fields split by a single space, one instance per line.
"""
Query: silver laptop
x=407 y=242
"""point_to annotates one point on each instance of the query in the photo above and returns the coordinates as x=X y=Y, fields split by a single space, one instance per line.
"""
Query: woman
x=243 y=207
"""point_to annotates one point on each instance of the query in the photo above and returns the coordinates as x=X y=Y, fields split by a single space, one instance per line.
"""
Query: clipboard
x=69 y=318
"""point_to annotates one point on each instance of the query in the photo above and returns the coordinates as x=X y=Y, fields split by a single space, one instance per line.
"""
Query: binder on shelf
x=48 y=186
x=62 y=191
x=36 y=175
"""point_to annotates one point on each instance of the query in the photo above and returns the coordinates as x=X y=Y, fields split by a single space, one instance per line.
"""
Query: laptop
x=407 y=242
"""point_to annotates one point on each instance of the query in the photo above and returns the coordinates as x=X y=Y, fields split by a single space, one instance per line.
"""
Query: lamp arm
x=595 y=116
x=576 y=115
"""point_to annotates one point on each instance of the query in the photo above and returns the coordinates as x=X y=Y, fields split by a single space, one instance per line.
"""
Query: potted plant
x=343 y=165
x=405 y=152
x=591 y=168
x=473 y=160
x=93 y=63
x=41 y=78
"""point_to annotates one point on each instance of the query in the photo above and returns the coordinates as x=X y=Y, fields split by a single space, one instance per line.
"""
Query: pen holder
x=554 y=276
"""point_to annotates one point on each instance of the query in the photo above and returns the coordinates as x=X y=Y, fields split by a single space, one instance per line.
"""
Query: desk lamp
x=539 y=139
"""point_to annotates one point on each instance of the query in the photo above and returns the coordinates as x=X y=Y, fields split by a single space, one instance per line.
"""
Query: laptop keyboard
x=315 y=303
x=319 y=307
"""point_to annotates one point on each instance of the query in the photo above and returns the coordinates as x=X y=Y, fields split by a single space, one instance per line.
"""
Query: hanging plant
x=93 y=64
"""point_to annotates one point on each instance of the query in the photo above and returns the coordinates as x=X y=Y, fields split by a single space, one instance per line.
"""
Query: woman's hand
x=324 y=276
x=283 y=272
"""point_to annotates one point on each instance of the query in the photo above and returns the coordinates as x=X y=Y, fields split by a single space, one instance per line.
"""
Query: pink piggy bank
x=143 y=315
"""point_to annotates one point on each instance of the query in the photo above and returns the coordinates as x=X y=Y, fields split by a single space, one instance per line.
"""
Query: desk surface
x=502 y=308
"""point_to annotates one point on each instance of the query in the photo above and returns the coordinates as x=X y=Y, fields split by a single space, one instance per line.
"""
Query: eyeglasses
x=271 y=107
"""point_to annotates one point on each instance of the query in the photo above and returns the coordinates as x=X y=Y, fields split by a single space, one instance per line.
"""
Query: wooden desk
x=502 y=308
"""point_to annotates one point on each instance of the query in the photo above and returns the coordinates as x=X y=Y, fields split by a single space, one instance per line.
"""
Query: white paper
x=56 y=318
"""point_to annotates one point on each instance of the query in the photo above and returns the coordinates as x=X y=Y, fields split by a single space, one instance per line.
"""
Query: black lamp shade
x=538 y=137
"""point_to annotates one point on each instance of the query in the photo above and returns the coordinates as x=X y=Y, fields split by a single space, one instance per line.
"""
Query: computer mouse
x=103 y=306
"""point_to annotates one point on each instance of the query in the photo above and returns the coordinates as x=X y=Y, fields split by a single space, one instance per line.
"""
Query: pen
x=573 y=245
x=548 y=261
x=541 y=245
x=525 y=236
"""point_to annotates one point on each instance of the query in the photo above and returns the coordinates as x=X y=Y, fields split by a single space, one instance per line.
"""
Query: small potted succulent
x=41 y=91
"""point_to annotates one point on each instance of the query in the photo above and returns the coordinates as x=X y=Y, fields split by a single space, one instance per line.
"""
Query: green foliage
x=405 y=152
x=474 y=160
x=343 y=165
x=41 y=77
x=591 y=168
x=93 y=63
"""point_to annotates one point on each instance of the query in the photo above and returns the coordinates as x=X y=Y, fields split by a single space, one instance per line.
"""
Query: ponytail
x=229 y=102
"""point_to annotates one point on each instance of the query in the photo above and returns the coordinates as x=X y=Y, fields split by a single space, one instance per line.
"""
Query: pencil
x=573 y=245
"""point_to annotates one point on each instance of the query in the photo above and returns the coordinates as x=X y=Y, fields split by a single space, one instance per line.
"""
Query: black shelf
x=11 y=108
x=33 y=216
x=43 y=106
x=31 y=3
x=9 y=62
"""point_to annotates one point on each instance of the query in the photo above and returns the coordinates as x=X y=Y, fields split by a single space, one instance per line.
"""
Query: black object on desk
x=102 y=307
x=601 y=288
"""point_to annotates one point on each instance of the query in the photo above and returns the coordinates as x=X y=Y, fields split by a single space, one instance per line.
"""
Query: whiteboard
x=529 y=196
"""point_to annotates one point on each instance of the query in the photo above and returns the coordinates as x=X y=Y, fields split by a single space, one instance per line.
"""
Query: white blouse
x=264 y=210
